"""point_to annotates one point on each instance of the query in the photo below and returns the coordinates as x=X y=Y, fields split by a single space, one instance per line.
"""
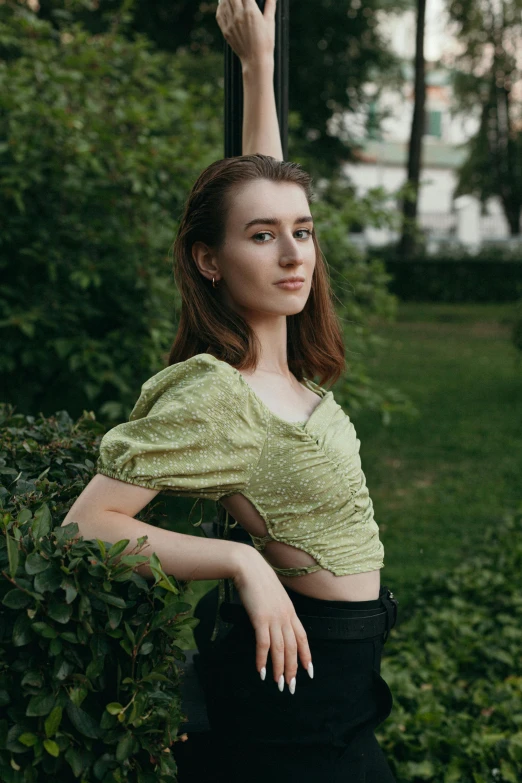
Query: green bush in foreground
x=87 y=658
x=89 y=688
x=455 y=670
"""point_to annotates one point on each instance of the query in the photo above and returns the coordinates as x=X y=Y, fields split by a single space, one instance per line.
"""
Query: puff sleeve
x=193 y=432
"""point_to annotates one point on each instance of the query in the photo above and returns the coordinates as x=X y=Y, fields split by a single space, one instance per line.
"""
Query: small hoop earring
x=213 y=283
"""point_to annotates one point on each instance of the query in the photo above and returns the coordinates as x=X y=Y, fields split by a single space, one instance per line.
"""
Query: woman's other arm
x=106 y=509
x=251 y=35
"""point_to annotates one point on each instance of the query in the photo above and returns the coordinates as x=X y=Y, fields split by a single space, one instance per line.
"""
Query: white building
x=384 y=143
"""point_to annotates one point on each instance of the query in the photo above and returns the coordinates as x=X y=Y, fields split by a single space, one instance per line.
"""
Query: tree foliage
x=335 y=47
x=489 y=69
x=100 y=141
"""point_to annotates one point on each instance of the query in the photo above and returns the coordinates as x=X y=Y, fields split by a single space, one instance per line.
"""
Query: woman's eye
x=307 y=231
x=261 y=234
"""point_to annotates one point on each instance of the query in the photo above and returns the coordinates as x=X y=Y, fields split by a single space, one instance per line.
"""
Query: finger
x=270 y=9
x=252 y=6
x=262 y=648
x=277 y=651
x=290 y=653
x=303 y=648
x=221 y=11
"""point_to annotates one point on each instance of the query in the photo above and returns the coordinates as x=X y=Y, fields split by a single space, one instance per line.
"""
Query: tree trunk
x=409 y=241
x=512 y=213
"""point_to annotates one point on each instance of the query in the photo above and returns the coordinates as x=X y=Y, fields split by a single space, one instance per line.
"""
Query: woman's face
x=268 y=239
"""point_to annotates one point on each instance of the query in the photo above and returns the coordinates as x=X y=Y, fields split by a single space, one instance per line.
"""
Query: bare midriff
x=322 y=584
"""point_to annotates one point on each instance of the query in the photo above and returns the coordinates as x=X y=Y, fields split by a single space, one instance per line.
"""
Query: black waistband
x=324 y=622
x=306 y=603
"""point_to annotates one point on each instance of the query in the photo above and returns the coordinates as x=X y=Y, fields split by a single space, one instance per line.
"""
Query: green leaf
x=22 y=633
x=41 y=704
x=126 y=645
x=28 y=739
x=95 y=668
x=113 y=600
x=55 y=646
x=115 y=616
x=70 y=592
x=155 y=677
x=33 y=677
x=51 y=747
x=35 y=563
x=102 y=548
x=50 y=579
x=117 y=548
x=188 y=622
x=53 y=721
x=130 y=633
x=24 y=516
x=114 y=708
x=59 y=611
x=63 y=668
x=12 y=553
x=74 y=760
x=132 y=560
x=16 y=599
x=44 y=630
x=41 y=525
x=166 y=584
x=168 y=613
x=82 y=721
x=124 y=748
x=146 y=648
x=69 y=636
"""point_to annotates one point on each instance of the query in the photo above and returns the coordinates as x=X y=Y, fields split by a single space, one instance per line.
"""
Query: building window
x=433 y=123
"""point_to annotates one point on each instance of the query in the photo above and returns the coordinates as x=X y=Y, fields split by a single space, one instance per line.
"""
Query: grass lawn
x=439 y=480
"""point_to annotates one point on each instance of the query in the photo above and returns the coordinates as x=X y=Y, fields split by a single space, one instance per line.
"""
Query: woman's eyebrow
x=276 y=222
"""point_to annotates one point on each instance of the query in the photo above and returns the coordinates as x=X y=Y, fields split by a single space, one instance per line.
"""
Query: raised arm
x=251 y=35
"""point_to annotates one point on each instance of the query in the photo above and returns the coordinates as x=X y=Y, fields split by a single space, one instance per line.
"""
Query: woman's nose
x=292 y=250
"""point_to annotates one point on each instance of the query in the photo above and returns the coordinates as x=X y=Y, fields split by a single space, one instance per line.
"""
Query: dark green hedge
x=489 y=277
x=89 y=687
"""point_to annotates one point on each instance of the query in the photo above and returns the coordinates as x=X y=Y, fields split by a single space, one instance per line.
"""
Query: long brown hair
x=206 y=325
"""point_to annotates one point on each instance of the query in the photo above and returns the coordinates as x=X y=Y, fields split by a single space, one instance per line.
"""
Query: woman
x=236 y=418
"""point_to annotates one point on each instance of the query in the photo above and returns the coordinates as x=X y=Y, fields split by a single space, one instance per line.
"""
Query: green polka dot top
x=199 y=430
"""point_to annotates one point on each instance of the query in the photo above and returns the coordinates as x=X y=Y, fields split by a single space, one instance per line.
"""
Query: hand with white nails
x=277 y=627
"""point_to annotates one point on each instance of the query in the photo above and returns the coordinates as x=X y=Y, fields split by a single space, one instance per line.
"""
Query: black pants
x=325 y=731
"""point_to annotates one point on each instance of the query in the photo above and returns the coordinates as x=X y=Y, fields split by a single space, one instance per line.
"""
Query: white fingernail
x=310 y=670
x=262 y=673
x=281 y=683
x=292 y=685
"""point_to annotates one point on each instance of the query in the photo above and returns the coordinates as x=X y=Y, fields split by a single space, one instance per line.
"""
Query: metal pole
x=234 y=86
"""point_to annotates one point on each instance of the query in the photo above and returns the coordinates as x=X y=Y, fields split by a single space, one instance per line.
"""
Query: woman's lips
x=293 y=286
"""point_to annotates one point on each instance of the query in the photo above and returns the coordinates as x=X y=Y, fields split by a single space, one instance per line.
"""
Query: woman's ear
x=205 y=260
